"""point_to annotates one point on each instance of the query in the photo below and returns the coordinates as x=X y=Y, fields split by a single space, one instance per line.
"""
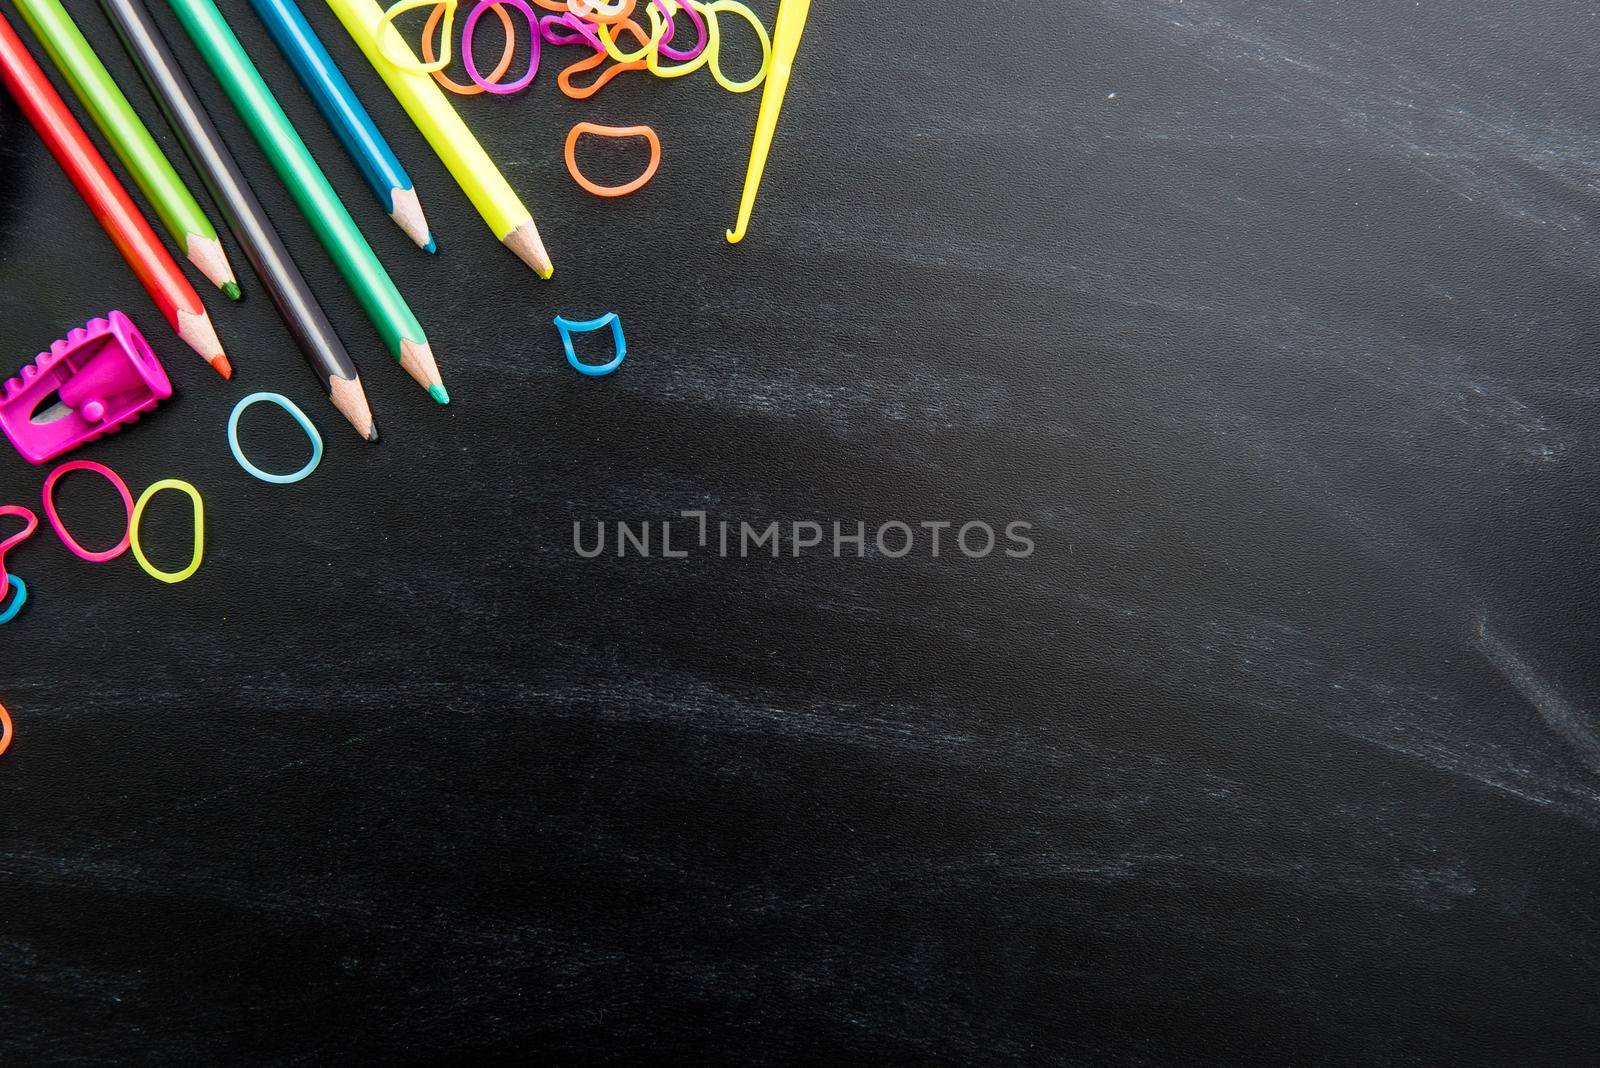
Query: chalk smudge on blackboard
x=1566 y=720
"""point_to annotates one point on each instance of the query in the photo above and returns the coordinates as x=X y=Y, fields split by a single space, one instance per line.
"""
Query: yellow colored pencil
x=454 y=144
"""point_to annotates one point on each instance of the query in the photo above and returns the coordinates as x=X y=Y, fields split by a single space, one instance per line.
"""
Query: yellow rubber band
x=714 y=45
x=647 y=46
x=658 y=30
x=199 y=530
x=648 y=49
x=407 y=61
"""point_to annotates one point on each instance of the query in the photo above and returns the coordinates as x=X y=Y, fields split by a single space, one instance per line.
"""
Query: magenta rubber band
x=668 y=27
x=60 y=528
x=671 y=18
x=477 y=12
x=585 y=32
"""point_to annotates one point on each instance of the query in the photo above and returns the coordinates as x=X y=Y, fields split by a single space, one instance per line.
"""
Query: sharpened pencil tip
x=351 y=400
x=406 y=211
x=524 y=240
x=220 y=364
x=439 y=393
x=431 y=247
x=231 y=290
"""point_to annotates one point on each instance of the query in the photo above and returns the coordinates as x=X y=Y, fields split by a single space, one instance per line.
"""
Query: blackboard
x=1274 y=322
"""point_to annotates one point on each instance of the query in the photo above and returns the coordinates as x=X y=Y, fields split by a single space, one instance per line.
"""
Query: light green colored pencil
x=91 y=83
x=318 y=202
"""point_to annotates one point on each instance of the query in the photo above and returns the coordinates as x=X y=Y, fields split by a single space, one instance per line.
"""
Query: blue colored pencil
x=337 y=101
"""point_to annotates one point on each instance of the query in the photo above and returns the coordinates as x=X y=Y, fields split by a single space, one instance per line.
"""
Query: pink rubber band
x=466 y=46
x=31 y=525
x=60 y=528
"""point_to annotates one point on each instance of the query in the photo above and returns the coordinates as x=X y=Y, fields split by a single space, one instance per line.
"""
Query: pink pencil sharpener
x=98 y=378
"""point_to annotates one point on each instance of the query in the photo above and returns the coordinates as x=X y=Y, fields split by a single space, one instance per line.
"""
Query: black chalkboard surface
x=1273 y=322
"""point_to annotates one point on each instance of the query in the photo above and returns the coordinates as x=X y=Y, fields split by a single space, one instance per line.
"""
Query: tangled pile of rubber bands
x=594 y=24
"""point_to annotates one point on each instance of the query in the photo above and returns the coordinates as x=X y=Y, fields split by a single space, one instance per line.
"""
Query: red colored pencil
x=107 y=199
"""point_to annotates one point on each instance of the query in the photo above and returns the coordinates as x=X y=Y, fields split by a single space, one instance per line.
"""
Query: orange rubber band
x=499 y=69
x=584 y=92
x=5 y=730
x=640 y=36
x=596 y=15
x=612 y=131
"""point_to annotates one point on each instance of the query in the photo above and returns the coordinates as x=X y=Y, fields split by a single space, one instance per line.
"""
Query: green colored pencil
x=318 y=202
x=111 y=112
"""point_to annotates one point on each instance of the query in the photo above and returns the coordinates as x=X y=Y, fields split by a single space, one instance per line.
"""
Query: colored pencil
x=333 y=96
x=468 y=163
x=309 y=186
x=251 y=228
x=92 y=84
x=92 y=177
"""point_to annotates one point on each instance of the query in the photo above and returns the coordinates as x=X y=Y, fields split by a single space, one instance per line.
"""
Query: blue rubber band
x=300 y=417
x=16 y=602
x=567 y=328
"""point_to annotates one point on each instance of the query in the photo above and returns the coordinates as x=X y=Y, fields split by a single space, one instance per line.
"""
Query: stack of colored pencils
x=185 y=220
x=109 y=201
x=284 y=283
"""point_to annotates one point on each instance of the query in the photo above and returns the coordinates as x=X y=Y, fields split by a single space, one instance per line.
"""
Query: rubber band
x=583 y=31
x=30 y=524
x=597 y=12
x=584 y=92
x=658 y=9
x=691 y=62
x=471 y=64
x=647 y=46
x=294 y=413
x=199 y=530
x=7 y=579
x=647 y=42
x=16 y=602
x=500 y=67
x=408 y=62
x=612 y=131
x=5 y=730
x=567 y=328
x=714 y=49
x=671 y=28
x=60 y=528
